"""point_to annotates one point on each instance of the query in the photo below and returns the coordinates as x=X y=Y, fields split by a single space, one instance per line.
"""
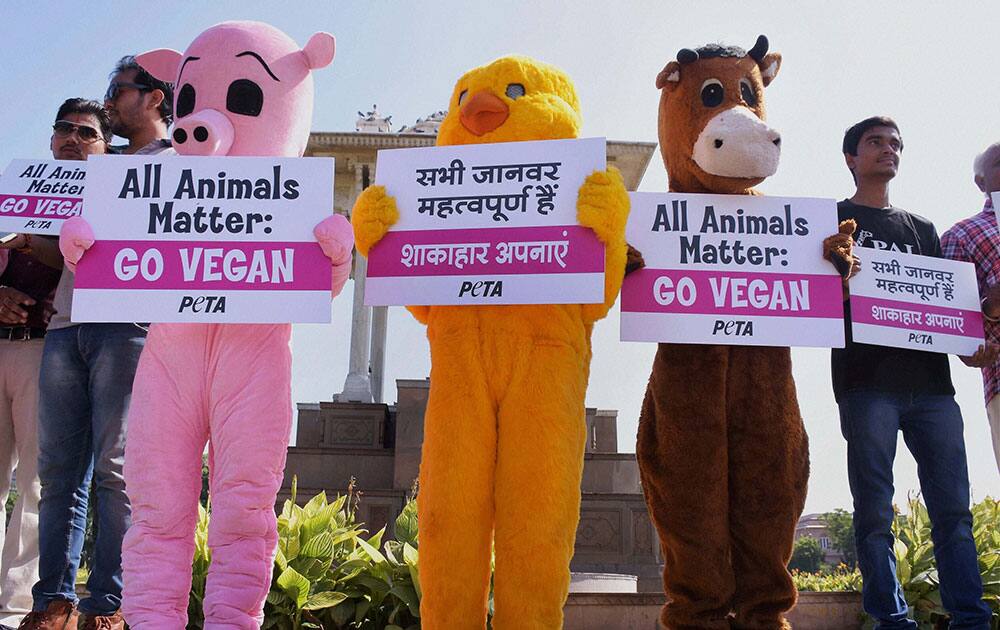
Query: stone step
x=640 y=611
x=602 y=583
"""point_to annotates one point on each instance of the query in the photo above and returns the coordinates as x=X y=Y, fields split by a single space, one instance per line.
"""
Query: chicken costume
x=504 y=428
x=721 y=446
x=242 y=89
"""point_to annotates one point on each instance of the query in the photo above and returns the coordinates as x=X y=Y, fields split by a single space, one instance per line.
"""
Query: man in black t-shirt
x=881 y=391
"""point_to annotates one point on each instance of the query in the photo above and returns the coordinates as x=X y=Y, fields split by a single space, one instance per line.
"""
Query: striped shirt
x=977 y=240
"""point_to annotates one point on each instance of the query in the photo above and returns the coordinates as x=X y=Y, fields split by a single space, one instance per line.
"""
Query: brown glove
x=839 y=249
x=634 y=260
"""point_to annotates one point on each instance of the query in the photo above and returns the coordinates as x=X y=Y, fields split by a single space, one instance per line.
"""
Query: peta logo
x=733 y=328
x=203 y=304
x=481 y=288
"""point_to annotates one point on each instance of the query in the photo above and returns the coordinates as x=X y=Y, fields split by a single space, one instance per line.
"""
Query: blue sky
x=928 y=64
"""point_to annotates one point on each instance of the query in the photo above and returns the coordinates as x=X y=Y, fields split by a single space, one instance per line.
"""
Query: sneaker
x=59 y=615
x=101 y=622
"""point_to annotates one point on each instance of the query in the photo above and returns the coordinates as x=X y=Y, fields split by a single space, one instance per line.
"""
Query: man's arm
x=954 y=246
x=45 y=249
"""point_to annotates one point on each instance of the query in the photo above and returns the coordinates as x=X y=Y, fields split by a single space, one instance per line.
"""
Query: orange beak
x=483 y=113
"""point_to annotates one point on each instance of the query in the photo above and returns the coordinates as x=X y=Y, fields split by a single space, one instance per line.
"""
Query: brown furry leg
x=769 y=468
x=682 y=452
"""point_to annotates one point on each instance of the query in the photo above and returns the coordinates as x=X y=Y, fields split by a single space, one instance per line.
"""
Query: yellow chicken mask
x=504 y=429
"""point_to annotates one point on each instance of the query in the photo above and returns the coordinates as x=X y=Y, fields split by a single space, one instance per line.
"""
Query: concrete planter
x=827 y=611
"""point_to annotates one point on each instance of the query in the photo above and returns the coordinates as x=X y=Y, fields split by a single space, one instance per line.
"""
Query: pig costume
x=242 y=89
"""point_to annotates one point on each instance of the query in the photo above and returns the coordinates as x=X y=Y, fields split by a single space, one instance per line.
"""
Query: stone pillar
x=357 y=386
x=410 y=407
x=380 y=321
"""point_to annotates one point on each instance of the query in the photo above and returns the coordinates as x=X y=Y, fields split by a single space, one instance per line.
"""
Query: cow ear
x=769 y=66
x=162 y=63
x=319 y=50
x=670 y=77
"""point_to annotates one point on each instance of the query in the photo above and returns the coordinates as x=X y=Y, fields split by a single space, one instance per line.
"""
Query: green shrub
x=806 y=555
x=915 y=566
x=917 y=571
x=840 y=579
x=328 y=573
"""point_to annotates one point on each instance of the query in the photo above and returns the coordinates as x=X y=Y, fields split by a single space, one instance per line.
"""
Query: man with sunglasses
x=85 y=389
x=27 y=288
x=140 y=107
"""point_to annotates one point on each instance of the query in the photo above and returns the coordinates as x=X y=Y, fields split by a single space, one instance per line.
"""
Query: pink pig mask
x=241 y=88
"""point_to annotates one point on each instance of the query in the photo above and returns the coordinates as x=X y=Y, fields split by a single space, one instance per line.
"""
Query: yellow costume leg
x=455 y=504
x=539 y=465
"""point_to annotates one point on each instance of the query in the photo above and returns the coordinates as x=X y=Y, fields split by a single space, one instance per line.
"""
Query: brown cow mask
x=711 y=122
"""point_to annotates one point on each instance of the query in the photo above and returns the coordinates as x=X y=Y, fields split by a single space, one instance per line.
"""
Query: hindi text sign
x=919 y=302
x=205 y=239
x=732 y=270
x=36 y=196
x=488 y=224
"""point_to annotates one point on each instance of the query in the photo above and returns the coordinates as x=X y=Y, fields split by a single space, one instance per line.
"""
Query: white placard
x=488 y=224
x=37 y=196
x=205 y=239
x=918 y=302
x=732 y=270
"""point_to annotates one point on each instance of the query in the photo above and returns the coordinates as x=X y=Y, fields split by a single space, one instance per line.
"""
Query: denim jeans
x=84 y=393
x=932 y=430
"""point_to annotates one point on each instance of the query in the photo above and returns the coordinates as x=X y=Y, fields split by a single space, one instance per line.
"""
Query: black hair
x=87 y=106
x=853 y=135
x=143 y=77
x=719 y=50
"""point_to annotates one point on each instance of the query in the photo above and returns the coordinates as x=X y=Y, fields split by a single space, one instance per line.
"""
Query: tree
x=840 y=525
x=806 y=555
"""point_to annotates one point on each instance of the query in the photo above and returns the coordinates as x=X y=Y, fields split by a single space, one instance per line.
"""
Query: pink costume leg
x=250 y=398
x=166 y=436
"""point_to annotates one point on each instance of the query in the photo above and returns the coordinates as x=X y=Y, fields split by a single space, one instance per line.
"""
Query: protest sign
x=36 y=196
x=488 y=224
x=733 y=270
x=919 y=302
x=205 y=239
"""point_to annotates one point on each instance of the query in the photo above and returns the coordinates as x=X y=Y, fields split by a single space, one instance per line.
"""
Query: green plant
x=840 y=526
x=806 y=555
x=327 y=573
x=916 y=569
x=840 y=579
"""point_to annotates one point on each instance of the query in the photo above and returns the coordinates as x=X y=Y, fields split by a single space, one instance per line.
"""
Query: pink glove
x=75 y=237
x=336 y=238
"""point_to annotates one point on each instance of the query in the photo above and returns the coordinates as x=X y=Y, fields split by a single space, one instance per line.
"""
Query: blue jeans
x=84 y=393
x=932 y=429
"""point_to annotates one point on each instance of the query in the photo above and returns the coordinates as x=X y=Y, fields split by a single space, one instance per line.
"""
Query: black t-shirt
x=864 y=366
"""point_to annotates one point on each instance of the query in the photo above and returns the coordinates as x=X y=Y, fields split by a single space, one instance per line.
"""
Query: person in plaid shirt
x=977 y=240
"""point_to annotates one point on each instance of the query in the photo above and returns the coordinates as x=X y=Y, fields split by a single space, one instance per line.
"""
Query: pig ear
x=319 y=50
x=162 y=63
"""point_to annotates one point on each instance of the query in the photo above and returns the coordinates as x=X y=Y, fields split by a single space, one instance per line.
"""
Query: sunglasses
x=115 y=86
x=87 y=135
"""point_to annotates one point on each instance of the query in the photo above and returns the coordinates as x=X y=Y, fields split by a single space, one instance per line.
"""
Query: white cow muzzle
x=736 y=143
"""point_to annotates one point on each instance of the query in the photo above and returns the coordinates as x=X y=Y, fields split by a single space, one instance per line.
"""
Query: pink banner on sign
x=485 y=251
x=26 y=205
x=732 y=293
x=913 y=316
x=209 y=265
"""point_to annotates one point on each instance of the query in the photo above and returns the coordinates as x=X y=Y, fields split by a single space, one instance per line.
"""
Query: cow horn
x=759 y=49
x=686 y=55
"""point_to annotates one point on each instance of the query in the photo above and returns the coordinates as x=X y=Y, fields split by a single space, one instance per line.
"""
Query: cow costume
x=242 y=89
x=721 y=446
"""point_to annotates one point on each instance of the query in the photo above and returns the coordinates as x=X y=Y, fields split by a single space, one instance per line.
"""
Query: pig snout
x=206 y=132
